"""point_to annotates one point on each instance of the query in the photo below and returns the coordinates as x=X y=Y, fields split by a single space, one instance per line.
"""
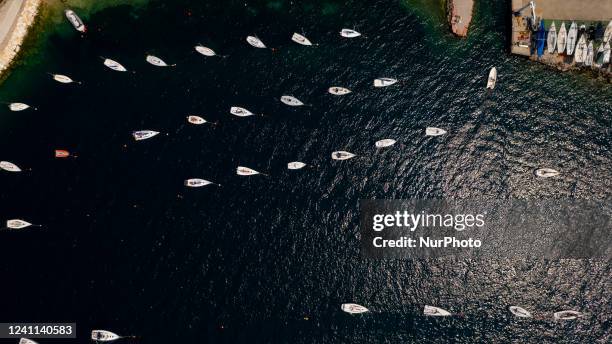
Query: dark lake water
x=126 y=247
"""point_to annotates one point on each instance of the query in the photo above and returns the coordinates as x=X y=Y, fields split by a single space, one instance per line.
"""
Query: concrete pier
x=460 y=15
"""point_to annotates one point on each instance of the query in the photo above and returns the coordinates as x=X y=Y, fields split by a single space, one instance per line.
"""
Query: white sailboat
x=156 y=61
x=342 y=155
x=433 y=131
x=205 y=51
x=197 y=120
x=295 y=165
x=590 y=55
x=256 y=42
x=104 y=336
x=608 y=33
x=606 y=54
x=300 y=39
x=198 y=182
x=240 y=112
x=144 y=134
x=74 y=19
x=546 y=172
x=492 y=78
x=18 y=106
x=385 y=143
x=17 y=224
x=338 y=91
x=348 y=33
x=572 y=36
x=291 y=101
x=581 y=50
x=435 y=311
x=384 y=82
x=552 y=38
x=353 y=308
x=9 y=166
x=562 y=39
x=567 y=315
x=520 y=312
x=114 y=65
x=62 y=78
x=245 y=171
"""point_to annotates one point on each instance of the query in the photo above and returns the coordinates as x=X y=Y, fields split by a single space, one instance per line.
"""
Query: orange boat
x=60 y=153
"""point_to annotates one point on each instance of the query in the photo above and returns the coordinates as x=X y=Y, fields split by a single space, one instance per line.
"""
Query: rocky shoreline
x=12 y=43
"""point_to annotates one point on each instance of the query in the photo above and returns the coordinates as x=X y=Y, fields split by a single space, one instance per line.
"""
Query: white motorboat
x=384 y=82
x=245 y=171
x=205 y=50
x=9 y=166
x=385 y=143
x=433 y=131
x=567 y=315
x=104 y=336
x=114 y=65
x=492 y=80
x=520 y=312
x=562 y=39
x=546 y=172
x=144 y=134
x=197 y=120
x=295 y=165
x=74 y=19
x=17 y=224
x=338 y=91
x=572 y=36
x=353 y=308
x=581 y=50
x=300 y=39
x=198 y=182
x=256 y=42
x=342 y=155
x=551 y=40
x=435 y=311
x=291 y=101
x=240 y=112
x=18 y=106
x=26 y=341
x=348 y=33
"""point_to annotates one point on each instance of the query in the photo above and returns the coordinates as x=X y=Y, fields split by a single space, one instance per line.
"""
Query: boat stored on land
x=562 y=39
x=581 y=50
x=572 y=36
x=551 y=40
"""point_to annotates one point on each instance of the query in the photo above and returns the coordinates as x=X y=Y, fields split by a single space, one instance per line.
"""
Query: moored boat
x=156 y=61
x=245 y=171
x=353 y=308
x=520 y=312
x=104 y=336
x=546 y=172
x=74 y=19
x=205 y=50
x=385 y=143
x=433 y=131
x=291 y=101
x=348 y=33
x=17 y=224
x=300 y=39
x=256 y=42
x=435 y=311
x=338 y=91
x=197 y=120
x=567 y=315
x=9 y=166
x=384 y=82
x=140 y=135
x=198 y=183
x=295 y=165
x=492 y=79
x=342 y=155
x=18 y=106
x=240 y=112
x=114 y=65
